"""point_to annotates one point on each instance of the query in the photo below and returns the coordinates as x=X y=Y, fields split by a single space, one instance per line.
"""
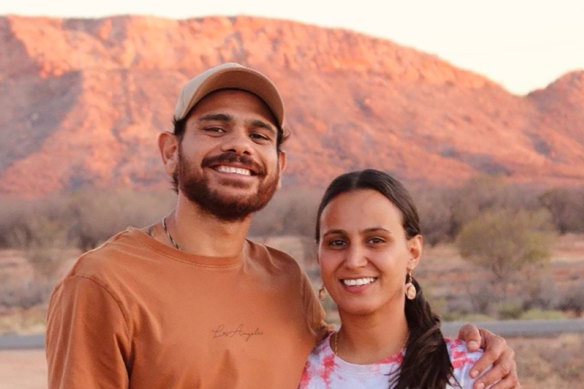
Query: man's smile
x=233 y=170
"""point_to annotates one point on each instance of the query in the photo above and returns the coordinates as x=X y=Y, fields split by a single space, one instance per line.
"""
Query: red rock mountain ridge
x=83 y=99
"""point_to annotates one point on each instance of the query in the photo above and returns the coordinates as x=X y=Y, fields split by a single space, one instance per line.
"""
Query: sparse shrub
x=481 y=295
x=11 y=209
x=290 y=212
x=44 y=228
x=566 y=205
x=476 y=195
x=536 y=288
x=25 y=293
x=504 y=242
x=41 y=231
x=508 y=310
x=99 y=214
x=435 y=214
x=572 y=298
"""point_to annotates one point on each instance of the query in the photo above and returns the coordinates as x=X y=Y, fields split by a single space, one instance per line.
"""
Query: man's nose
x=238 y=142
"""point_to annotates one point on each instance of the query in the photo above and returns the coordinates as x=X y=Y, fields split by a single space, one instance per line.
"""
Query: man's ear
x=168 y=147
x=415 y=245
x=281 y=166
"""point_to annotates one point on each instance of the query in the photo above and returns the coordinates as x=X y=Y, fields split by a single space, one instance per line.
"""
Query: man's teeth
x=358 y=281
x=235 y=170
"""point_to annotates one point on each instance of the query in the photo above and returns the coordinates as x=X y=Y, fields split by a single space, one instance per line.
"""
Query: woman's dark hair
x=426 y=363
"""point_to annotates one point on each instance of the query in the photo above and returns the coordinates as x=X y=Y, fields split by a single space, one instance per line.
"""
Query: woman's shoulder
x=319 y=364
x=322 y=349
x=462 y=361
x=459 y=353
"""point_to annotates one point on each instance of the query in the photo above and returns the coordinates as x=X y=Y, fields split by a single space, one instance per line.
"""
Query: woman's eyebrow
x=374 y=229
x=329 y=232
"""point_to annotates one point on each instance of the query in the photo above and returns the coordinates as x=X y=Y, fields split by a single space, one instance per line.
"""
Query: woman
x=369 y=243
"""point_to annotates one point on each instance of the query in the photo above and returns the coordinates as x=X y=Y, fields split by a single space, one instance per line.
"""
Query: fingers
x=498 y=358
x=503 y=375
x=471 y=335
x=494 y=347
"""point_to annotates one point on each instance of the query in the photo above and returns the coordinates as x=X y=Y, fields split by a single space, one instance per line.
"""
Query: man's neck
x=199 y=232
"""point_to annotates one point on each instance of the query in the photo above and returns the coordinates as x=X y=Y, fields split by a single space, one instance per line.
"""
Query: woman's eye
x=336 y=243
x=375 y=240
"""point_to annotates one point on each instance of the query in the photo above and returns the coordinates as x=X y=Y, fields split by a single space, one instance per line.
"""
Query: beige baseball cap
x=229 y=76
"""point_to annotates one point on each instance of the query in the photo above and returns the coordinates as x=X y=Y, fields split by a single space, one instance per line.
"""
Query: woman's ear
x=168 y=147
x=415 y=247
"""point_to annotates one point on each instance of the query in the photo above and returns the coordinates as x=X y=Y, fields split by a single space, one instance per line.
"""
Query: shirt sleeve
x=87 y=342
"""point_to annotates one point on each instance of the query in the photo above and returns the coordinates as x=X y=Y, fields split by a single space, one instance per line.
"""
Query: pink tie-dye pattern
x=328 y=366
x=395 y=358
x=305 y=379
x=458 y=356
x=326 y=371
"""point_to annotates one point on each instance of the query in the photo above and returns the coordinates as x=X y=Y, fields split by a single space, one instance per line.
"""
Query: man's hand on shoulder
x=497 y=353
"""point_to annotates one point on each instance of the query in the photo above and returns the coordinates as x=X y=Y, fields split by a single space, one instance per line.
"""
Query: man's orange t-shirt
x=135 y=313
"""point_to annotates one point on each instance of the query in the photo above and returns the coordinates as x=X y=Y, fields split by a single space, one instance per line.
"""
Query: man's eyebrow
x=222 y=117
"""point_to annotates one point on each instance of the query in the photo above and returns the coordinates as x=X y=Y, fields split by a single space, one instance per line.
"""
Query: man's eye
x=217 y=130
x=260 y=136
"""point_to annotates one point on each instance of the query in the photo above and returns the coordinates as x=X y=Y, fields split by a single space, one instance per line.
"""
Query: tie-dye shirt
x=324 y=370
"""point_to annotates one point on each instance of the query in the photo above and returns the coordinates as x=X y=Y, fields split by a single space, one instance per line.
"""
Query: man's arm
x=86 y=344
x=497 y=354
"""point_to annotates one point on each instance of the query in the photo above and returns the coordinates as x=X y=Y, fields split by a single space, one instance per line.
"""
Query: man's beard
x=225 y=208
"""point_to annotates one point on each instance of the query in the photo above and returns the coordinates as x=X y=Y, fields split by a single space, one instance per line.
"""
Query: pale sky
x=521 y=44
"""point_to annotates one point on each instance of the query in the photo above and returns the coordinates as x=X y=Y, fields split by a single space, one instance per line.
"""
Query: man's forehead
x=225 y=104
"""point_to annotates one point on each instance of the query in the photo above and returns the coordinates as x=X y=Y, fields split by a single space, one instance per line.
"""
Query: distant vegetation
x=504 y=229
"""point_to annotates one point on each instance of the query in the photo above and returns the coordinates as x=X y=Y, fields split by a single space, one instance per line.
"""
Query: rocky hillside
x=83 y=99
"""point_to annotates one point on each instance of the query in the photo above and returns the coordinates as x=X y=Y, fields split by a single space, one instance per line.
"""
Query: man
x=189 y=302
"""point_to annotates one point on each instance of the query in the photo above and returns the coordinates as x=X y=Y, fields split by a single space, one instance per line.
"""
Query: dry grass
x=550 y=362
x=23 y=321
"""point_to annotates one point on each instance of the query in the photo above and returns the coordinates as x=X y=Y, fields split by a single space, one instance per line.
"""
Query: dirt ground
x=23 y=369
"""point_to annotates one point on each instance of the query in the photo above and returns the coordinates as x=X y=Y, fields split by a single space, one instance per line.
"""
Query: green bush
x=505 y=241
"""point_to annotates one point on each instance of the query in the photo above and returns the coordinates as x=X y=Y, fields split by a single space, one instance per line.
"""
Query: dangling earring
x=322 y=293
x=410 y=287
